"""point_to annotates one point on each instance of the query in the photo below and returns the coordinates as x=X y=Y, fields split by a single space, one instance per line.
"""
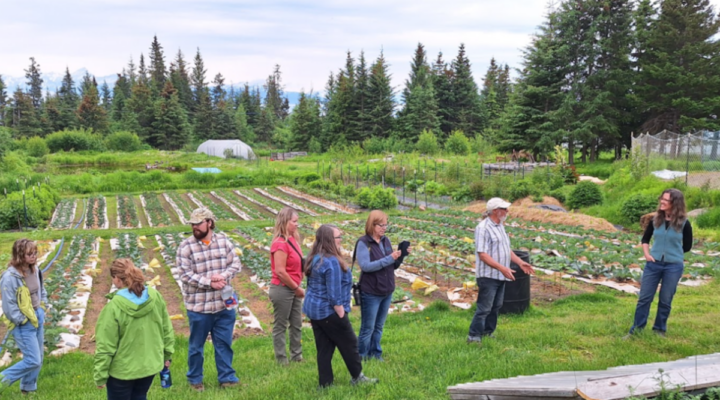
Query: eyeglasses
x=32 y=254
x=338 y=237
x=382 y=225
x=665 y=200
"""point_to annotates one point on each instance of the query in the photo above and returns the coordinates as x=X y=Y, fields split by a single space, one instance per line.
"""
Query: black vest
x=382 y=282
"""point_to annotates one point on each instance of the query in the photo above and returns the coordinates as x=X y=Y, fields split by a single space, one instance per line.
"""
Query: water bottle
x=165 y=378
x=229 y=298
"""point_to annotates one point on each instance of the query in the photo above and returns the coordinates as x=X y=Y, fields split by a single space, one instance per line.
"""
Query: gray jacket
x=10 y=282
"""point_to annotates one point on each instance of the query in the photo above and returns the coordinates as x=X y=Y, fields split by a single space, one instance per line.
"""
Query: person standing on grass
x=133 y=335
x=207 y=262
x=492 y=269
x=327 y=304
x=672 y=237
x=285 y=291
x=376 y=259
x=23 y=293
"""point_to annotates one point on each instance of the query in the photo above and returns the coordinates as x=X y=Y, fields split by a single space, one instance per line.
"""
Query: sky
x=243 y=40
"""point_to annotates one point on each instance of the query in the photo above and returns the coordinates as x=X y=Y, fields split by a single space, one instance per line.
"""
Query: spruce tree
x=68 y=102
x=181 y=82
x=250 y=100
x=34 y=83
x=132 y=76
x=442 y=85
x=304 y=122
x=106 y=97
x=139 y=113
x=3 y=101
x=381 y=99
x=420 y=111
x=202 y=109
x=275 y=98
x=466 y=107
x=331 y=118
x=90 y=114
x=245 y=131
x=25 y=118
x=142 y=76
x=362 y=123
x=170 y=129
x=158 y=73
x=119 y=99
x=223 y=114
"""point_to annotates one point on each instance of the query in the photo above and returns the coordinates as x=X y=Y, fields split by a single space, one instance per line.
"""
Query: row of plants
x=96 y=213
x=127 y=212
x=129 y=246
x=231 y=198
x=207 y=201
x=64 y=214
x=184 y=209
x=297 y=201
x=156 y=214
x=262 y=201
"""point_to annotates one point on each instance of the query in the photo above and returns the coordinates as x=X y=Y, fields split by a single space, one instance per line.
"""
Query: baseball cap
x=496 y=203
x=200 y=215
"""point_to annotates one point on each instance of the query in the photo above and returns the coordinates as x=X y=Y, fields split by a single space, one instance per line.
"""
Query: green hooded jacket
x=133 y=335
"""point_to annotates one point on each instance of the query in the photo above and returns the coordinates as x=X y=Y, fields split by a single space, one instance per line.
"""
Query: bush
x=374 y=145
x=427 y=143
x=477 y=189
x=457 y=143
x=462 y=194
x=585 y=194
x=638 y=205
x=37 y=147
x=710 y=219
x=315 y=146
x=522 y=188
x=435 y=189
x=75 y=140
x=559 y=195
x=39 y=208
x=5 y=141
x=377 y=198
x=123 y=141
x=307 y=178
x=480 y=145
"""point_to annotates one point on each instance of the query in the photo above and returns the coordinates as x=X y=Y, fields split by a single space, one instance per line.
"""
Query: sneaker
x=659 y=333
x=474 y=339
x=379 y=359
x=363 y=380
x=199 y=387
x=489 y=335
x=227 y=385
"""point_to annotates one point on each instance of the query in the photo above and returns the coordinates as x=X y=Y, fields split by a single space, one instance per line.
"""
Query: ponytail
x=131 y=276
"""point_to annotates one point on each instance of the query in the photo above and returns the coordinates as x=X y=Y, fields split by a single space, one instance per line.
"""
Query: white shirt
x=492 y=239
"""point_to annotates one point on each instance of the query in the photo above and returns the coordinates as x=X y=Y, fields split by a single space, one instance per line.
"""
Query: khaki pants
x=287 y=310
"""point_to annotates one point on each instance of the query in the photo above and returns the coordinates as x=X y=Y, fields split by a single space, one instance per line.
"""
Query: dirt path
x=168 y=209
x=169 y=291
x=101 y=286
x=140 y=211
x=257 y=301
x=112 y=211
x=701 y=178
x=208 y=198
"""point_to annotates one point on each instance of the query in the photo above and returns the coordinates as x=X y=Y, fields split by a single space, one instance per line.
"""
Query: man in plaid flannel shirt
x=208 y=262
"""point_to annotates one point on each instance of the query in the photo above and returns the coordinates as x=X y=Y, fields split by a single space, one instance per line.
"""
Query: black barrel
x=517 y=292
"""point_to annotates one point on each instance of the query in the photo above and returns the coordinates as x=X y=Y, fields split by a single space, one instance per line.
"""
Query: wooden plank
x=646 y=384
x=517 y=391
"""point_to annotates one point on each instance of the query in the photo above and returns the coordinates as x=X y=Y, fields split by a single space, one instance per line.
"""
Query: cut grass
x=425 y=352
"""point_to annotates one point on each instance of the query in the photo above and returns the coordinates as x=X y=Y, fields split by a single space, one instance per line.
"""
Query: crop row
x=206 y=201
x=127 y=212
x=64 y=214
x=96 y=213
x=232 y=201
x=156 y=214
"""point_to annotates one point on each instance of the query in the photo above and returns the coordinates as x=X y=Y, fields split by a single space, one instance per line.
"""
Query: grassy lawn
x=425 y=352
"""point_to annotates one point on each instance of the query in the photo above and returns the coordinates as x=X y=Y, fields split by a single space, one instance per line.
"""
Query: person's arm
x=333 y=285
x=687 y=237
x=106 y=344
x=481 y=246
x=525 y=266
x=281 y=256
x=363 y=259
x=187 y=274
x=233 y=265
x=646 y=241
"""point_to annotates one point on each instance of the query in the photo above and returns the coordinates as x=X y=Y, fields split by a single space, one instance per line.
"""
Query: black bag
x=302 y=260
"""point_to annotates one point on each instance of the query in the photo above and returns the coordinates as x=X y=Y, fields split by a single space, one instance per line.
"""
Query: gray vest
x=668 y=244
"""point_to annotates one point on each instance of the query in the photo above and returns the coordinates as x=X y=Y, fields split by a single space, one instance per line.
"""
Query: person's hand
x=101 y=387
x=217 y=277
x=527 y=268
x=408 y=250
x=341 y=313
x=508 y=273
x=299 y=292
x=396 y=254
x=217 y=285
x=650 y=258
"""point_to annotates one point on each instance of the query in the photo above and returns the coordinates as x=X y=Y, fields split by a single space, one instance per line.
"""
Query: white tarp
x=667 y=174
x=217 y=148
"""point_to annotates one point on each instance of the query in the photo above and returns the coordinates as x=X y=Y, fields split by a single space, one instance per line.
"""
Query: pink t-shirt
x=292 y=266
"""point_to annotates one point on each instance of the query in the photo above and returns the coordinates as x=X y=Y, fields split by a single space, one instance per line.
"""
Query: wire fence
x=680 y=152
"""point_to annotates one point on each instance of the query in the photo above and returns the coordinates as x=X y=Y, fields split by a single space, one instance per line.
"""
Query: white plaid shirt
x=198 y=262
x=492 y=239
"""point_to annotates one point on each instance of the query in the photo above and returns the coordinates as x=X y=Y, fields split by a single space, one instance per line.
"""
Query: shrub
x=710 y=219
x=123 y=141
x=315 y=146
x=37 y=147
x=307 y=178
x=480 y=145
x=520 y=189
x=75 y=140
x=435 y=189
x=559 y=195
x=427 y=143
x=5 y=141
x=462 y=194
x=457 y=143
x=638 y=205
x=39 y=208
x=585 y=194
x=477 y=189
x=374 y=145
x=377 y=198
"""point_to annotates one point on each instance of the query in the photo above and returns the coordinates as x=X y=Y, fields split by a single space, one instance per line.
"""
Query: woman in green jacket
x=134 y=337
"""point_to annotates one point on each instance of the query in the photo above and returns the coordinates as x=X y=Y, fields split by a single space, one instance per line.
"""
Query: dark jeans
x=489 y=301
x=135 y=389
x=330 y=333
x=655 y=273
x=220 y=326
x=374 y=311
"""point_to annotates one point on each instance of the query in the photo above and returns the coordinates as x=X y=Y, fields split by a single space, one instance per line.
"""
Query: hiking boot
x=228 y=385
x=474 y=340
x=363 y=380
x=659 y=333
x=199 y=387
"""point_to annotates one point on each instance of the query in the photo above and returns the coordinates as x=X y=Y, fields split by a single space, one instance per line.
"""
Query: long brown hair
x=281 y=222
x=22 y=247
x=325 y=246
x=678 y=213
x=129 y=275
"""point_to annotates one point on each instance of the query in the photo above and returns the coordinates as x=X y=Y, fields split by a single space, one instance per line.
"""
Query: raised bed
x=287 y=203
x=127 y=215
x=96 y=213
x=64 y=214
x=154 y=211
x=332 y=206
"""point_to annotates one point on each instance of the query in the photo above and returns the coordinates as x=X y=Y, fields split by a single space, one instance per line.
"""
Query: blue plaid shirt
x=327 y=286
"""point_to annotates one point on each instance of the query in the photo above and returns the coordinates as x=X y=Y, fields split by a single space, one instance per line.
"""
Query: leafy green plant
x=377 y=198
x=709 y=219
x=37 y=147
x=427 y=143
x=638 y=205
x=123 y=141
x=585 y=194
x=457 y=143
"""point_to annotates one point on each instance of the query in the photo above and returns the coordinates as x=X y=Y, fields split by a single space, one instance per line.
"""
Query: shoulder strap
x=293 y=247
x=354 y=254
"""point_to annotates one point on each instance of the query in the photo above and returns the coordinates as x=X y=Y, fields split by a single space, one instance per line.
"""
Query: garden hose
x=82 y=217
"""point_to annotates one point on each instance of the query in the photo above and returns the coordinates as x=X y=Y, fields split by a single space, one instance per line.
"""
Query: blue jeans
x=657 y=272
x=220 y=327
x=491 y=293
x=373 y=313
x=30 y=341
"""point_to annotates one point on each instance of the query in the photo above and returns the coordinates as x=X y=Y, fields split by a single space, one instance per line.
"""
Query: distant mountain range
x=53 y=80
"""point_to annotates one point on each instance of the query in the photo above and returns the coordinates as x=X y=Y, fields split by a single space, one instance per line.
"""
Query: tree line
x=594 y=73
